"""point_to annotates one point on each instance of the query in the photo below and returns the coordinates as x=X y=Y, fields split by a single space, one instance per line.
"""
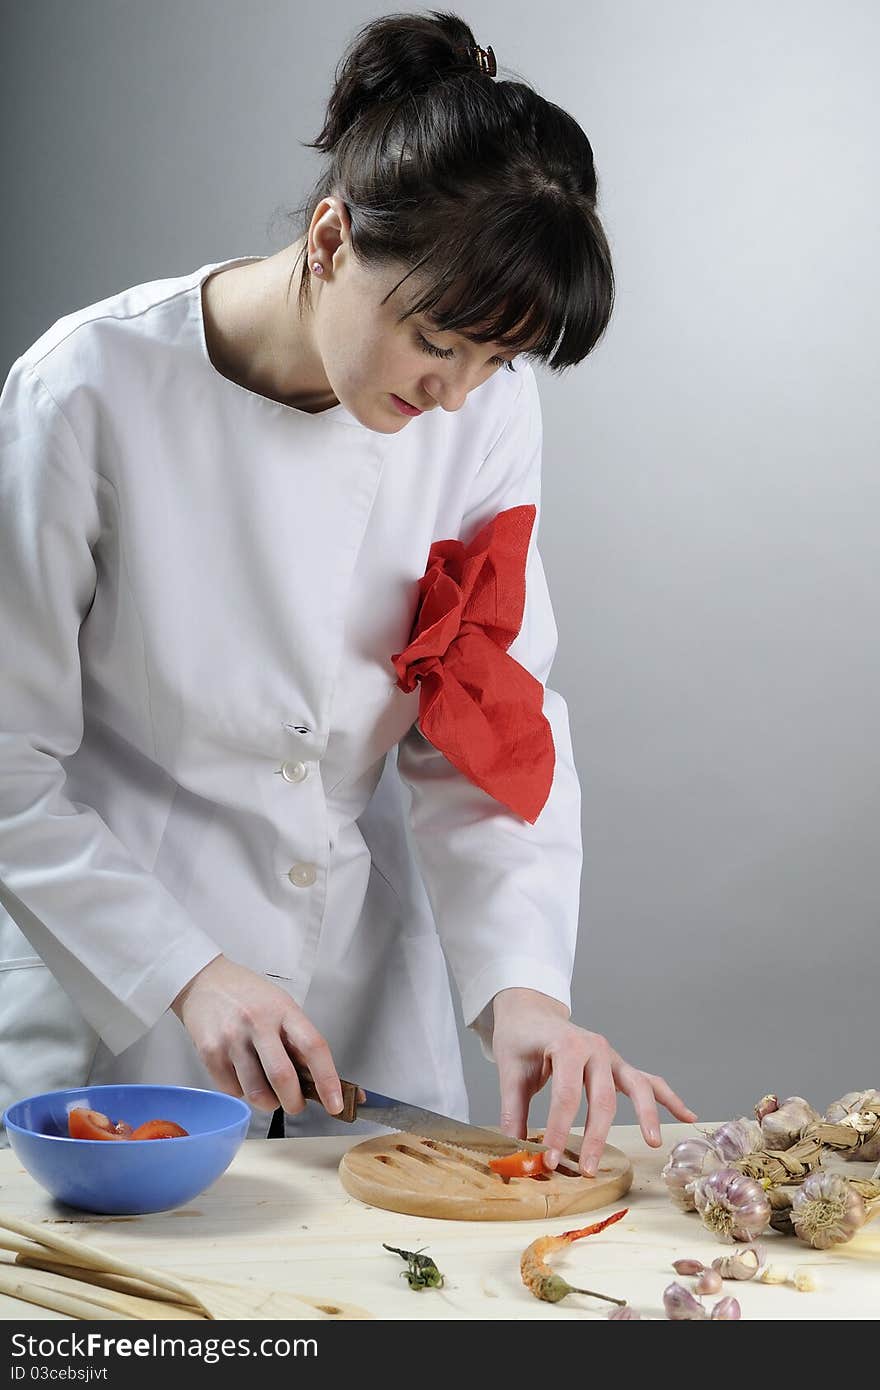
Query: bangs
x=530 y=283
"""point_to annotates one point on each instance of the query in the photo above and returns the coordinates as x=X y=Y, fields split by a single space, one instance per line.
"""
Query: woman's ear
x=330 y=232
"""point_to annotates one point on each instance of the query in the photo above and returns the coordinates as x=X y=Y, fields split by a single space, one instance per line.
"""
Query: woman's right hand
x=246 y=1031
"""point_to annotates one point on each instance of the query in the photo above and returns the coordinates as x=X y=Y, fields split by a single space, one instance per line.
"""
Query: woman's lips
x=404 y=407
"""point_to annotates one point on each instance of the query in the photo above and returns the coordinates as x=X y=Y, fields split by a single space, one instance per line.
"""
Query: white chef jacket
x=203 y=747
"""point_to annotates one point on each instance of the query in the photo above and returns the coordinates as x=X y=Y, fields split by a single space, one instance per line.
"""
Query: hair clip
x=484 y=59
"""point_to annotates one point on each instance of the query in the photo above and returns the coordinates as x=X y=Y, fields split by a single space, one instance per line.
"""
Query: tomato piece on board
x=518 y=1165
x=90 y=1124
x=159 y=1129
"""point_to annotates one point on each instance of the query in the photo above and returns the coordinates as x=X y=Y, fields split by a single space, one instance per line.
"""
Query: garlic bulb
x=733 y=1206
x=742 y=1264
x=826 y=1210
x=857 y=1100
x=681 y=1305
x=689 y=1159
x=727 y=1308
x=781 y=1128
x=737 y=1138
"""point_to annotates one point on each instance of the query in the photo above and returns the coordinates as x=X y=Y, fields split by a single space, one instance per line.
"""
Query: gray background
x=711 y=488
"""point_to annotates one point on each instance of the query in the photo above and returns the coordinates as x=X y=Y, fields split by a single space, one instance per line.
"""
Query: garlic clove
x=626 y=1313
x=773 y=1274
x=680 y=1304
x=727 y=1308
x=743 y=1264
x=804 y=1280
x=708 y=1281
x=688 y=1266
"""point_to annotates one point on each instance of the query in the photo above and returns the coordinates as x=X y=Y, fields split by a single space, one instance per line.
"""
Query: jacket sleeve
x=504 y=893
x=109 y=932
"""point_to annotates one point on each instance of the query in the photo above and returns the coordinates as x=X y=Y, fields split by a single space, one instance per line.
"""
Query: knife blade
x=359 y=1103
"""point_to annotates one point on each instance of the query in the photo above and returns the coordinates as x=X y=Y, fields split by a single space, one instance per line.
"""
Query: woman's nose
x=449 y=394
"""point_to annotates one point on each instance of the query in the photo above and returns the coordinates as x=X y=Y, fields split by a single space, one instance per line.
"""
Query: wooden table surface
x=280 y=1217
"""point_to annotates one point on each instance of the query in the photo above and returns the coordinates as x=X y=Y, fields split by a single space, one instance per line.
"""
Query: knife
x=359 y=1103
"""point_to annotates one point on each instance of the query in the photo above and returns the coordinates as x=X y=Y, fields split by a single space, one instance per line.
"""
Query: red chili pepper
x=518 y=1165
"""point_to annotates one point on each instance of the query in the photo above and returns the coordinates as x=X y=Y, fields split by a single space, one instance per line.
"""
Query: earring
x=318 y=268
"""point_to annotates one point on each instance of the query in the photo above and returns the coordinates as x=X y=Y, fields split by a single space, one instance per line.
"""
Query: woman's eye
x=447 y=353
x=433 y=349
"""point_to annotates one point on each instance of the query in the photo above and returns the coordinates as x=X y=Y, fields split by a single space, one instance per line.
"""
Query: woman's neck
x=257 y=337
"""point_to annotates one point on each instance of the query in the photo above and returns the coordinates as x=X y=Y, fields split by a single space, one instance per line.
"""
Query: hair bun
x=394 y=57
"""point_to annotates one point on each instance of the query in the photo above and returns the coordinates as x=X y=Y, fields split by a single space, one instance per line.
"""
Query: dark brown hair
x=480 y=187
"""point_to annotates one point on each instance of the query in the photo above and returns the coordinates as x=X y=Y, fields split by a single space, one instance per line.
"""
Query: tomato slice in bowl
x=159 y=1129
x=90 y=1124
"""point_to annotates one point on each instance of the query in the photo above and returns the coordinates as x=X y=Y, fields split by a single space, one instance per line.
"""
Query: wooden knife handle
x=349 y=1094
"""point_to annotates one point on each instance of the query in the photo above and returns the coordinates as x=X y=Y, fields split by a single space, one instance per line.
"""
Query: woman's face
x=370 y=357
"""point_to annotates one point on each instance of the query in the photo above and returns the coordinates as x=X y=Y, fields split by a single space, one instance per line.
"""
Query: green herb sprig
x=421 y=1271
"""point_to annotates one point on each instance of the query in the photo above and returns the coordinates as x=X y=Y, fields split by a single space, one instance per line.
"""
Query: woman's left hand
x=533 y=1039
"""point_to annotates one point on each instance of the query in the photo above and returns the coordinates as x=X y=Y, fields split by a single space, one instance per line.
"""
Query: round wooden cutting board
x=421 y=1177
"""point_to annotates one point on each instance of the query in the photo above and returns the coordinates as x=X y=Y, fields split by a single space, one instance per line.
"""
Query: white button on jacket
x=165 y=649
x=303 y=875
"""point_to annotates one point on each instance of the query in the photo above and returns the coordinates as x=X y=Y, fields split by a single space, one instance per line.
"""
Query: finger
x=515 y=1097
x=223 y=1073
x=674 y=1103
x=640 y=1091
x=310 y=1048
x=566 y=1094
x=264 y=1083
x=601 y=1107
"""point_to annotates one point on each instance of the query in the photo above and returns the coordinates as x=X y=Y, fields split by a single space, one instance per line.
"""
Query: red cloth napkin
x=476 y=704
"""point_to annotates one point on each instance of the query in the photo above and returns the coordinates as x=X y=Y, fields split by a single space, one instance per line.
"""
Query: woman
x=258 y=775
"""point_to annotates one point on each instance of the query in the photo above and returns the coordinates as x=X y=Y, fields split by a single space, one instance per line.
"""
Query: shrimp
x=542 y=1281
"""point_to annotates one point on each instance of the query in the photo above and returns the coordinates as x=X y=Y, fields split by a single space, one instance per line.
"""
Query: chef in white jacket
x=225 y=842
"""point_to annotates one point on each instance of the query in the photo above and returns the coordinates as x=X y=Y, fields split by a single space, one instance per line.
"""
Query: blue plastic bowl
x=133 y=1176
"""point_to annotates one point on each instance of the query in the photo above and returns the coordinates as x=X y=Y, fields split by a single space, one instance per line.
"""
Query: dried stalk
x=15 y=1284
x=868 y=1189
x=775 y=1167
x=64 y=1250
x=780 y=1209
x=140 y=1299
